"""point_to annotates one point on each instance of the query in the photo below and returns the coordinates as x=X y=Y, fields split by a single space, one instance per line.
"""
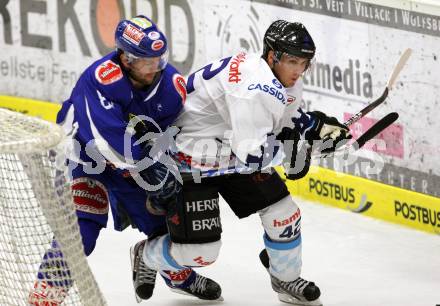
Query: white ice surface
x=355 y=260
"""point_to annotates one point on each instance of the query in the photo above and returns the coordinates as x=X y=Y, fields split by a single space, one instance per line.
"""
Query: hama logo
x=90 y=197
x=157 y=45
x=292 y=218
x=180 y=85
x=108 y=72
x=132 y=34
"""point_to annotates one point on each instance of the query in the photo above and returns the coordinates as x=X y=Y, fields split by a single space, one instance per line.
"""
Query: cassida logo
x=238 y=31
x=270 y=90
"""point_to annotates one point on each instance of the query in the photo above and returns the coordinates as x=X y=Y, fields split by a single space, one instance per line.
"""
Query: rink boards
x=353 y=193
x=370 y=198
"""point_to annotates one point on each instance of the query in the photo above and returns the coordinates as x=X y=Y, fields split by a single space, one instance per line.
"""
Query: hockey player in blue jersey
x=135 y=80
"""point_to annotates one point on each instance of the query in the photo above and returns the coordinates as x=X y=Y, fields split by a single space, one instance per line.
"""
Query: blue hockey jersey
x=102 y=103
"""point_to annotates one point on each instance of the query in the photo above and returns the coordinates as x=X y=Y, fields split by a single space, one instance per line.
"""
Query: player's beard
x=140 y=80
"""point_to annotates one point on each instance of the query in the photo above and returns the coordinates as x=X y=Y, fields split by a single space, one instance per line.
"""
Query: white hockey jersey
x=232 y=106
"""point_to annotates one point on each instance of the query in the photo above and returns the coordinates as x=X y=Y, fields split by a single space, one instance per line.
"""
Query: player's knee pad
x=89 y=233
x=195 y=217
x=195 y=255
x=282 y=220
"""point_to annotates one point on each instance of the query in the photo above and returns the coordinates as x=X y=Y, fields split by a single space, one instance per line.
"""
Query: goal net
x=39 y=232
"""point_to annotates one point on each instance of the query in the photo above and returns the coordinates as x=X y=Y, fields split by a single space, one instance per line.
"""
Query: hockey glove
x=268 y=151
x=297 y=152
x=161 y=174
x=329 y=131
x=158 y=203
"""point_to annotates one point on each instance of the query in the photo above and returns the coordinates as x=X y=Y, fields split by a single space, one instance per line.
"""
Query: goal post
x=37 y=217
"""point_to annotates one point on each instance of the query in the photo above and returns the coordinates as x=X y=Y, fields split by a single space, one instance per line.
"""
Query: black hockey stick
x=372 y=132
x=377 y=128
x=399 y=66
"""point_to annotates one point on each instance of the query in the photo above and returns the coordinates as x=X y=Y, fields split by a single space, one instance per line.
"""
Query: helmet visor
x=150 y=64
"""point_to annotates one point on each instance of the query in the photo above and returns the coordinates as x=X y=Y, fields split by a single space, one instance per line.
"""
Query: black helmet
x=290 y=38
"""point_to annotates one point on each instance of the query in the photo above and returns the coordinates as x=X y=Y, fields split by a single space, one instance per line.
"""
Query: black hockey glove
x=161 y=175
x=298 y=154
x=268 y=151
x=159 y=200
x=329 y=131
x=158 y=173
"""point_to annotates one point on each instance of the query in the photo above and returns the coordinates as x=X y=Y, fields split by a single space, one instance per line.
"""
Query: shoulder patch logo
x=108 y=73
x=180 y=85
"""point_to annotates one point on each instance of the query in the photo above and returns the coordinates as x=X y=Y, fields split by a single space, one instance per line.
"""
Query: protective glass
x=149 y=64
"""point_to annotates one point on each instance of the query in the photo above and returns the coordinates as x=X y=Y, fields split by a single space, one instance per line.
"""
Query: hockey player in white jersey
x=241 y=113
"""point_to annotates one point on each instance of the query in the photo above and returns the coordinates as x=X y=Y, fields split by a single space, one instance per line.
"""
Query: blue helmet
x=140 y=37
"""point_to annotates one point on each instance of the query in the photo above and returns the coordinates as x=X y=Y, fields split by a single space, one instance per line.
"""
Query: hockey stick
x=399 y=66
x=377 y=128
x=372 y=132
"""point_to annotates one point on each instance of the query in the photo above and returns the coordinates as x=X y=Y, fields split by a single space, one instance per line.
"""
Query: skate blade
x=138 y=299
x=294 y=301
x=176 y=290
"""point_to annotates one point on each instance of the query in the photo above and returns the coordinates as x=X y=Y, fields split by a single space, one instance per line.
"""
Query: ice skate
x=198 y=286
x=298 y=292
x=144 y=278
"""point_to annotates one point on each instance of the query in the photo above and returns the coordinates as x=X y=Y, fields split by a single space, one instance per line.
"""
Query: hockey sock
x=285 y=258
